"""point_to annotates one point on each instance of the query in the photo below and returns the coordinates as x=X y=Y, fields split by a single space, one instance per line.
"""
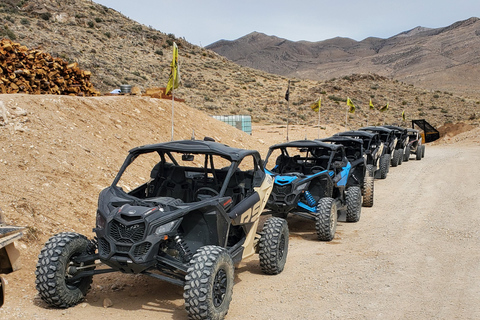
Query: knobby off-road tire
x=326 y=219
x=418 y=153
x=384 y=165
x=400 y=158
x=273 y=245
x=368 y=187
x=208 y=286
x=395 y=158
x=55 y=266
x=423 y=150
x=370 y=170
x=2 y=291
x=354 y=203
x=406 y=155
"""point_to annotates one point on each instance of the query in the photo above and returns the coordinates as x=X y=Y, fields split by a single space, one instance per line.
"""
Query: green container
x=241 y=122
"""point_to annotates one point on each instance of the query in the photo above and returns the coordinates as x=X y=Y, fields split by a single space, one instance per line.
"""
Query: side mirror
x=187 y=157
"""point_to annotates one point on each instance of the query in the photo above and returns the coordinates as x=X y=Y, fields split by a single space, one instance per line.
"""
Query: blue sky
x=202 y=22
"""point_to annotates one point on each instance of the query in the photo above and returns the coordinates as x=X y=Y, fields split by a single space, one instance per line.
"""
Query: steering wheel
x=207 y=193
x=317 y=169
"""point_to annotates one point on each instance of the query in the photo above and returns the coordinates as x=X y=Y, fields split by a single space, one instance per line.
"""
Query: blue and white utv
x=314 y=180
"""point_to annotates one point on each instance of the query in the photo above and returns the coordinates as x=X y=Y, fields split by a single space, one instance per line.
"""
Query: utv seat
x=352 y=156
x=236 y=187
x=292 y=166
x=280 y=163
x=158 y=175
x=177 y=185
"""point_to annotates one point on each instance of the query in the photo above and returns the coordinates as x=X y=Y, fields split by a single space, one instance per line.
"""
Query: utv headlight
x=164 y=228
x=100 y=221
x=302 y=186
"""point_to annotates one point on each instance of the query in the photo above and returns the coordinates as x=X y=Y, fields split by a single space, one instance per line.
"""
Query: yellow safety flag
x=316 y=105
x=351 y=108
x=174 y=79
x=384 y=108
x=371 y=105
x=403 y=115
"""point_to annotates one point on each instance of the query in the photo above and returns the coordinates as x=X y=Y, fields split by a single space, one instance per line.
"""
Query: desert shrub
x=46 y=16
x=6 y=32
x=337 y=99
x=137 y=28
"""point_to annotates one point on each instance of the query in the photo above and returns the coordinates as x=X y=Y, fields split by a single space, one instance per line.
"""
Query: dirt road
x=414 y=255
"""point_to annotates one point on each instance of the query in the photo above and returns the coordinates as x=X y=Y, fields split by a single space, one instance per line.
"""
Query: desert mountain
x=118 y=50
x=442 y=58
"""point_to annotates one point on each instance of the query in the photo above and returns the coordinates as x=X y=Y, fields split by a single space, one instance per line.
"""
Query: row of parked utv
x=187 y=212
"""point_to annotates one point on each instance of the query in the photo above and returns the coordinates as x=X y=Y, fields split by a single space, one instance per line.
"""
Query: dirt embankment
x=417 y=246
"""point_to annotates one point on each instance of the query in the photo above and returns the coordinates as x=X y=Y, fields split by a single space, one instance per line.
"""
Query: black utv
x=184 y=212
x=387 y=136
x=374 y=151
x=415 y=145
x=361 y=171
x=9 y=255
x=401 y=146
x=313 y=180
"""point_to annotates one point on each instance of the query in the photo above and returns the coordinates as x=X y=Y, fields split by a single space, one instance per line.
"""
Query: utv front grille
x=282 y=190
x=127 y=234
x=103 y=247
x=123 y=248
x=141 y=249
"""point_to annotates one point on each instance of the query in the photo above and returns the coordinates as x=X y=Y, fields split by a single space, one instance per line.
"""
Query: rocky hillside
x=119 y=51
x=443 y=58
